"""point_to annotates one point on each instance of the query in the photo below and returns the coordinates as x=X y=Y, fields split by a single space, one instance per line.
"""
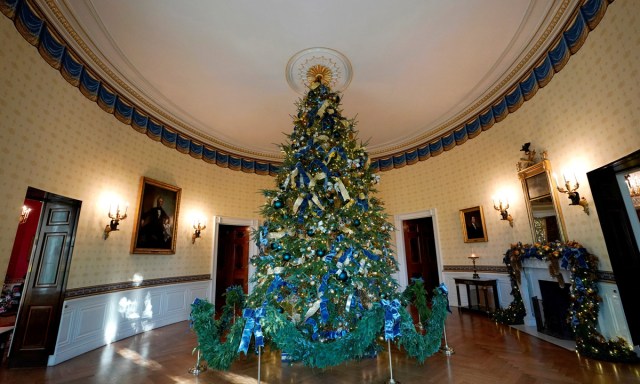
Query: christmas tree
x=325 y=254
x=323 y=288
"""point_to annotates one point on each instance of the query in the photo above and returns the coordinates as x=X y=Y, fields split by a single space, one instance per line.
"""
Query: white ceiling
x=216 y=69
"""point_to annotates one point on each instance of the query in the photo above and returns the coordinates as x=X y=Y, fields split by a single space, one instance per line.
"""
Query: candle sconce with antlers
x=502 y=208
x=198 y=228
x=573 y=194
x=115 y=220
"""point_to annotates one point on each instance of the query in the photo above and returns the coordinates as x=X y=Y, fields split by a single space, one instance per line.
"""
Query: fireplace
x=551 y=311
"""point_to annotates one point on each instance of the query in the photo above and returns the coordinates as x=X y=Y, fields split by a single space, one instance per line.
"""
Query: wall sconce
x=502 y=208
x=198 y=227
x=573 y=194
x=115 y=220
x=473 y=258
x=25 y=214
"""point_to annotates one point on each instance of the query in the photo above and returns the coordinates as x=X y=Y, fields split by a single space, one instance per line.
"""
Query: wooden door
x=618 y=235
x=233 y=260
x=420 y=250
x=38 y=319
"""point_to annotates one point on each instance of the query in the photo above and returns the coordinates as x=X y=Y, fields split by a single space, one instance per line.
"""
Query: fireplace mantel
x=534 y=270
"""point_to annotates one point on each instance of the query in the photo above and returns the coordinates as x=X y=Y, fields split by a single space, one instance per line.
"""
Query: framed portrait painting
x=156 y=221
x=473 y=227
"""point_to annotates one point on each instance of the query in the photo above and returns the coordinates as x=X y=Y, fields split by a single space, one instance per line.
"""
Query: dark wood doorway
x=36 y=328
x=420 y=251
x=233 y=260
x=619 y=237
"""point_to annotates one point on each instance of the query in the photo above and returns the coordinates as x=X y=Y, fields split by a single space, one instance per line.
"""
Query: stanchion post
x=391 y=380
x=259 y=360
x=199 y=367
x=447 y=350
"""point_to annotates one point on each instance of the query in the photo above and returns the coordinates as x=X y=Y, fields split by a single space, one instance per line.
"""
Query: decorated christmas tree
x=325 y=254
x=323 y=288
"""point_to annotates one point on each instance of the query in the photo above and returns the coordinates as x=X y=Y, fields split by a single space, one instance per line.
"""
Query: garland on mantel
x=585 y=300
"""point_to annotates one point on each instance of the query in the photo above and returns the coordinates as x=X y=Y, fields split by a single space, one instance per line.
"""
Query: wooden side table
x=480 y=285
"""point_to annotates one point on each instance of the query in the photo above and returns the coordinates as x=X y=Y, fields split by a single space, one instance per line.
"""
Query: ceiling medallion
x=305 y=66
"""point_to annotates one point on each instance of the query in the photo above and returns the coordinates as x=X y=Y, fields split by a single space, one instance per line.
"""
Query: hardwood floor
x=485 y=352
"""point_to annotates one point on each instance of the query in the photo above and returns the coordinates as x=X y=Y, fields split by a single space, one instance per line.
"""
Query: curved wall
x=588 y=116
x=54 y=139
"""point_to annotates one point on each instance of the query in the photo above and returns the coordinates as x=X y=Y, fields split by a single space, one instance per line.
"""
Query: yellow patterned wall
x=53 y=138
x=586 y=117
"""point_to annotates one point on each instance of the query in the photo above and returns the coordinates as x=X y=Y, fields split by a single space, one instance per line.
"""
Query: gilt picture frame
x=474 y=229
x=156 y=219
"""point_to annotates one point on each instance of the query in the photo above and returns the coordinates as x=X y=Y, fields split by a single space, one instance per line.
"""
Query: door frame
x=612 y=205
x=253 y=248
x=401 y=276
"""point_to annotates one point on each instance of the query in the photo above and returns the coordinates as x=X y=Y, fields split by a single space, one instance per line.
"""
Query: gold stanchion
x=391 y=380
x=199 y=367
x=259 y=359
x=447 y=350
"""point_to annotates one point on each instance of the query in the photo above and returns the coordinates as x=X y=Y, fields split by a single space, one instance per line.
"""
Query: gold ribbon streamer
x=317 y=202
x=343 y=191
x=297 y=204
x=277 y=235
x=322 y=108
x=319 y=176
x=312 y=311
x=294 y=173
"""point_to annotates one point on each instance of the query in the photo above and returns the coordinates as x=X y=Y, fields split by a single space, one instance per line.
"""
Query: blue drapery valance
x=32 y=25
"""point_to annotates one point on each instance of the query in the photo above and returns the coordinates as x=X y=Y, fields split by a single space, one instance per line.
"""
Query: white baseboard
x=91 y=322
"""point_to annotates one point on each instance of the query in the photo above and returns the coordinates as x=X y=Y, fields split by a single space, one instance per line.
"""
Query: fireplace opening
x=552 y=310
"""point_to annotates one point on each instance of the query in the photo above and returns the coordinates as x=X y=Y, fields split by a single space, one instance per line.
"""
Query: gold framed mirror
x=541 y=199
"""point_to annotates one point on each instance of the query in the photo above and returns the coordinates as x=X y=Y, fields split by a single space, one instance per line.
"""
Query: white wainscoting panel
x=612 y=322
x=91 y=322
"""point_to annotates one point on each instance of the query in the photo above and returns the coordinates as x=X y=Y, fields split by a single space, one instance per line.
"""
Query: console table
x=479 y=285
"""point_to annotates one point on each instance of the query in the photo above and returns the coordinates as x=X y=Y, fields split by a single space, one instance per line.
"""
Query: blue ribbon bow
x=347 y=255
x=252 y=327
x=445 y=292
x=275 y=285
x=370 y=255
x=363 y=204
x=314 y=326
x=391 y=318
x=337 y=150
x=264 y=232
x=324 y=312
x=302 y=174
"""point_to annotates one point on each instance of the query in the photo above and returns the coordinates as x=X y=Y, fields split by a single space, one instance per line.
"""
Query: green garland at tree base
x=218 y=340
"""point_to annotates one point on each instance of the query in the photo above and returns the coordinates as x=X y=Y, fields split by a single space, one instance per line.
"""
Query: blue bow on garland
x=445 y=292
x=252 y=327
x=391 y=318
x=332 y=335
x=314 y=326
x=197 y=302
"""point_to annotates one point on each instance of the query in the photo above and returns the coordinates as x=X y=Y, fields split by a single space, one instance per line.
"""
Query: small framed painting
x=156 y=221
x=473 y=227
